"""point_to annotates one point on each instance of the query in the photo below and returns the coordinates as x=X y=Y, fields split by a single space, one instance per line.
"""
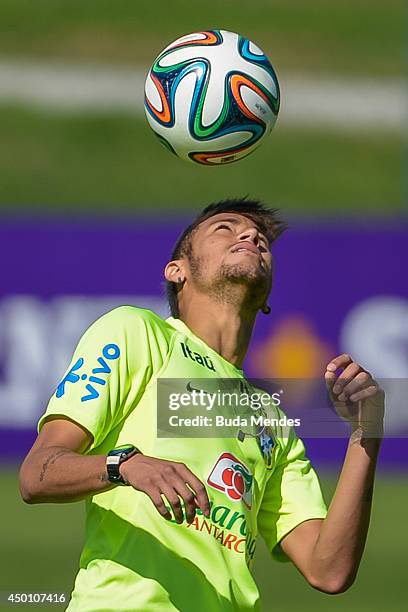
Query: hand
x=157 y=477
x=356 y=396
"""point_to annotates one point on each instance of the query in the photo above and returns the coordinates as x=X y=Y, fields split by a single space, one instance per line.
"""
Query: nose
x=251 y=234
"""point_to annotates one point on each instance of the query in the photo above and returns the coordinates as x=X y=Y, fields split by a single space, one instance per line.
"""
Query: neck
x=224 y=327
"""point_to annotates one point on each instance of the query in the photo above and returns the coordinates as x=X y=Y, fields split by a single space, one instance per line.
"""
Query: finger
x=188 y=498
x=174 y=501
x=359 y=382
x=159 y=503
x=342 y=361
x=330 y=378
x=364 y=393
x=346 y=376
x=197 y=486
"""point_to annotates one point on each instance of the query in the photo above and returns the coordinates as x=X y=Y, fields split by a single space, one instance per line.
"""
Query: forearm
x=340 y=544
x=57 y=474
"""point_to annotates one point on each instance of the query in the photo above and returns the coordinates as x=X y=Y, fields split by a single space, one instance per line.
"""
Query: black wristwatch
x=117 y=456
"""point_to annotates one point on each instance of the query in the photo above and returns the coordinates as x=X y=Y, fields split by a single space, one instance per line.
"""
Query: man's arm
x=56 y=471
x=328 y=552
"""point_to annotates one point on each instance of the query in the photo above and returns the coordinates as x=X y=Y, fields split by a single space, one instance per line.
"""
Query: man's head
x=225 y=253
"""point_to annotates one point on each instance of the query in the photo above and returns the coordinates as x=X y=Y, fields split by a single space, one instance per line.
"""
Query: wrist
x=366 y=439
x=122 y=472
x=125 y=466
x=360 y=432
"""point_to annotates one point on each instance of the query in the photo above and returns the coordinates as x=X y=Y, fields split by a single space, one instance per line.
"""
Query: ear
x=174 y=272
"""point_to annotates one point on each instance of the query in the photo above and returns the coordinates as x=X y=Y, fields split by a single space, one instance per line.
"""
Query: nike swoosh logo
x=190 y=388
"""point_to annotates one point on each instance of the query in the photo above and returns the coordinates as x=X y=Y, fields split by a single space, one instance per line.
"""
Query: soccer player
x=172 y=522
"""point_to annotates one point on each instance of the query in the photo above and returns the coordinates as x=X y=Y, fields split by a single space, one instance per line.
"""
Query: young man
x=172 y=523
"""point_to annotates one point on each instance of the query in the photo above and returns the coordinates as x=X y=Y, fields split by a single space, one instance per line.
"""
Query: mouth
x=245 y=246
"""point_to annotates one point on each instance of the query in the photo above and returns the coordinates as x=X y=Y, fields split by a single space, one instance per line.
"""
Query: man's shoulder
x=136 y=320
x=139 y=333
x=134 y=315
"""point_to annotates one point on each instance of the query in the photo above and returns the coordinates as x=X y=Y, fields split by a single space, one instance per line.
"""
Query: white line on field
x=354 y=103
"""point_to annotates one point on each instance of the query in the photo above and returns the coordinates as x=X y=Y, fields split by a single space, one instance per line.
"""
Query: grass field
x=351 y=36
x=94 y=164
x=40 y=547
x=97 y=164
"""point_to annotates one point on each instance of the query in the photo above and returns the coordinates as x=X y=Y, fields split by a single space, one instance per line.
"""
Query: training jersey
x=133 y=558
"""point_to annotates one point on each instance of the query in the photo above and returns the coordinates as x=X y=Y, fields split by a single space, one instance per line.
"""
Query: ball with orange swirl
x=211 y=97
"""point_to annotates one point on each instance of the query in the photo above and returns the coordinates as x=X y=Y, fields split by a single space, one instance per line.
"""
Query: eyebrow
x=228 y=219
x=236 y=221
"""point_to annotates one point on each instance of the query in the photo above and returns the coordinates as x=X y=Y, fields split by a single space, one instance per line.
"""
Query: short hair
x=265 y=217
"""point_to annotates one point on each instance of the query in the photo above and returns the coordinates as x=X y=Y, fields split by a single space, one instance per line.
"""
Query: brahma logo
x=233 y=478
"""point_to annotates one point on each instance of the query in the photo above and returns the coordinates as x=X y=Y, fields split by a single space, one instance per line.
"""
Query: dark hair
x=265 y=217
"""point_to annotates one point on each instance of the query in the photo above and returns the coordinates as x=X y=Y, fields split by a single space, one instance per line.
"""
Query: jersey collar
x=184 y=329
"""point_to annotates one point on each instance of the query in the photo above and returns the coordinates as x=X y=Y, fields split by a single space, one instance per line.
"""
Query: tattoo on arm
x=51 y=459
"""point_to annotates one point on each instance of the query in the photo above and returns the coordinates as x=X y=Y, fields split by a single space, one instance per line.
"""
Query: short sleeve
x=112 y=364
x=292 y=496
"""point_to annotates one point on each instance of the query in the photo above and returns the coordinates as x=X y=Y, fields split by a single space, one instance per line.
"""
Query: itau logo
x=233 y=478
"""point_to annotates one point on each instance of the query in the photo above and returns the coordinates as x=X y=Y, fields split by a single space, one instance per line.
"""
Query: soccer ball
x=211 y=97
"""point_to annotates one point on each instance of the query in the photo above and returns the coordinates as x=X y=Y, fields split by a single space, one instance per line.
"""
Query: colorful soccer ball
x=211 y=97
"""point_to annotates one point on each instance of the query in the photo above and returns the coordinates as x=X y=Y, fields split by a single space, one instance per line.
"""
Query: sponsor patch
x=233 y=478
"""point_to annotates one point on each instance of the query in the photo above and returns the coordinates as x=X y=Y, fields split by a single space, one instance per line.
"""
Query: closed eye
x=223 y=226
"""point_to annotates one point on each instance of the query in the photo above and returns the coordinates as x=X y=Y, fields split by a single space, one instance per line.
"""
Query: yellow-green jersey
x=133 y=558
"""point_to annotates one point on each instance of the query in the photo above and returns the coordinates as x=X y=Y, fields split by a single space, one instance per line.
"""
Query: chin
x=245 y=274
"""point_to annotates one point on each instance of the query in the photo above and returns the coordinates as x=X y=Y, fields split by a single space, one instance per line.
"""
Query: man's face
x=229 y=248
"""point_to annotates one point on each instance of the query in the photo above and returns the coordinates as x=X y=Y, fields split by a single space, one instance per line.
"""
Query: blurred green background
x=41 y=546
x=60 y=160
x=351 y=36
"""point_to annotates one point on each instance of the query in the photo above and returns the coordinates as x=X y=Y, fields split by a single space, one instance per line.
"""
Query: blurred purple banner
x=339 y=287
